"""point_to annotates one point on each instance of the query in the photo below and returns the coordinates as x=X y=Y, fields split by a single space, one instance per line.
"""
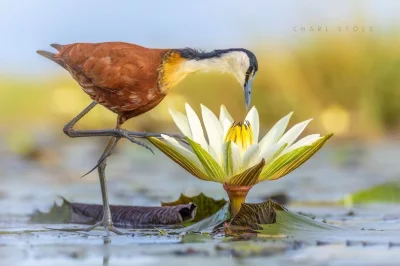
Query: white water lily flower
x=233 y=154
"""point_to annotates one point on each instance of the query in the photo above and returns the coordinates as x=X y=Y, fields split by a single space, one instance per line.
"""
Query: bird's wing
x=112 y=66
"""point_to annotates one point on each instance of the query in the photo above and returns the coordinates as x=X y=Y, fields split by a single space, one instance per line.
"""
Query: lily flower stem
x=237 y=196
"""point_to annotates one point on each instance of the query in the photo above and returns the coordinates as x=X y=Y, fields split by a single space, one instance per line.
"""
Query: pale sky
x=27 y=25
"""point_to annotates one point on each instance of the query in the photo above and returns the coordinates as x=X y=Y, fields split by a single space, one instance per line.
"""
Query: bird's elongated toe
x=108 y=226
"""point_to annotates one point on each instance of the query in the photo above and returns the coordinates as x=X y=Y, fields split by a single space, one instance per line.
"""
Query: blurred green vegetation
x=388 y=192
x=350 y=84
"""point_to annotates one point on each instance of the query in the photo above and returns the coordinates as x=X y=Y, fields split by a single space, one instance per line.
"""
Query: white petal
x=195 y=127
x=214 y=131
x=236 y=159
x=226 y=125
x=250 y=157
x=292 y=134
x=225 y=119
x=225 y=114
x=175 y=143
x=308 y=140
x=213 y=151
x=254 y=121
x=181 y=122
x=270 y=151
x=182 y=150
x=275 y=133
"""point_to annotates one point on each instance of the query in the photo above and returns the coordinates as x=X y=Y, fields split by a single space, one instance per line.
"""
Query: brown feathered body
x=125 y=78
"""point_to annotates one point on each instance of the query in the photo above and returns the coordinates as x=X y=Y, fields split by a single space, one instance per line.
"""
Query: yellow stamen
x=241 y=134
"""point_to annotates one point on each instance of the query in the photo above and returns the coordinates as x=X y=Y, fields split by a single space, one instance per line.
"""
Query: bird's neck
x=182 y=62
x=225 y=63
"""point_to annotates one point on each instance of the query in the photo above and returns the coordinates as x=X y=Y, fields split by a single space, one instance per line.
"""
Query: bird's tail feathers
x=57 y=46
x=53 y=57
x=47 y=54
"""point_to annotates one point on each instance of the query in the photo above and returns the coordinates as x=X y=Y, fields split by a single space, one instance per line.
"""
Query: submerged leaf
x=180 y=159
x=388 y=192
x=252 y=250
x=197 y=238
x=206 y=206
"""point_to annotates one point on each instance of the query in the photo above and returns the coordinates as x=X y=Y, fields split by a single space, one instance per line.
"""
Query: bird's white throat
x=234 y=62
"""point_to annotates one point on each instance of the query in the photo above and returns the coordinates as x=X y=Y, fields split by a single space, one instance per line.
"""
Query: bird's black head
x=240 y=62
x=244 y=67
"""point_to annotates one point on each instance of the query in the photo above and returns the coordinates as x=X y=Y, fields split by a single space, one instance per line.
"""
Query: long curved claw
x=85 y=229
x=127 y=136
x=179 y=137
x=115 y=230
x=103 y=157
x=108 y=227
x=184 y=141
x=154 y=135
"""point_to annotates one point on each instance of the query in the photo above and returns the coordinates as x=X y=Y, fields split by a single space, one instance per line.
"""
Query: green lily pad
x=250 y=249
x=269 y=219
x=57 y=214
x=294 y=224
x=206 y=206
x=388 y=192
x=196 y=238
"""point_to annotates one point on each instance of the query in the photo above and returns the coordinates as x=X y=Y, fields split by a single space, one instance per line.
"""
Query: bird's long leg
x=116 y=132
x=107 y=218
x=115 y=135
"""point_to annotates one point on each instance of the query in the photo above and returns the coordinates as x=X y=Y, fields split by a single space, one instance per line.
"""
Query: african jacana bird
x=130 y=80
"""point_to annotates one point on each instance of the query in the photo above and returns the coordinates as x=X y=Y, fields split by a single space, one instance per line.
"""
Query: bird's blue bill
x=247 y=92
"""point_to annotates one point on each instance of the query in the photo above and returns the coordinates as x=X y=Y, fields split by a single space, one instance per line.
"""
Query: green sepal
x=249 y=177
x=228 y=163
x=292 y=160
x=213 y=169
x=180 y=159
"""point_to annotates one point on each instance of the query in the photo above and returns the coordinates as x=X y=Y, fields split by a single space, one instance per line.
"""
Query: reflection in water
x=106 y=251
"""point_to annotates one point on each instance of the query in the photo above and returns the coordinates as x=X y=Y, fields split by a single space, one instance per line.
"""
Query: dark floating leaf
x=251 y=215
x=123 y=216
x=197 y=238
x=388 y=192
x=206 y=206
